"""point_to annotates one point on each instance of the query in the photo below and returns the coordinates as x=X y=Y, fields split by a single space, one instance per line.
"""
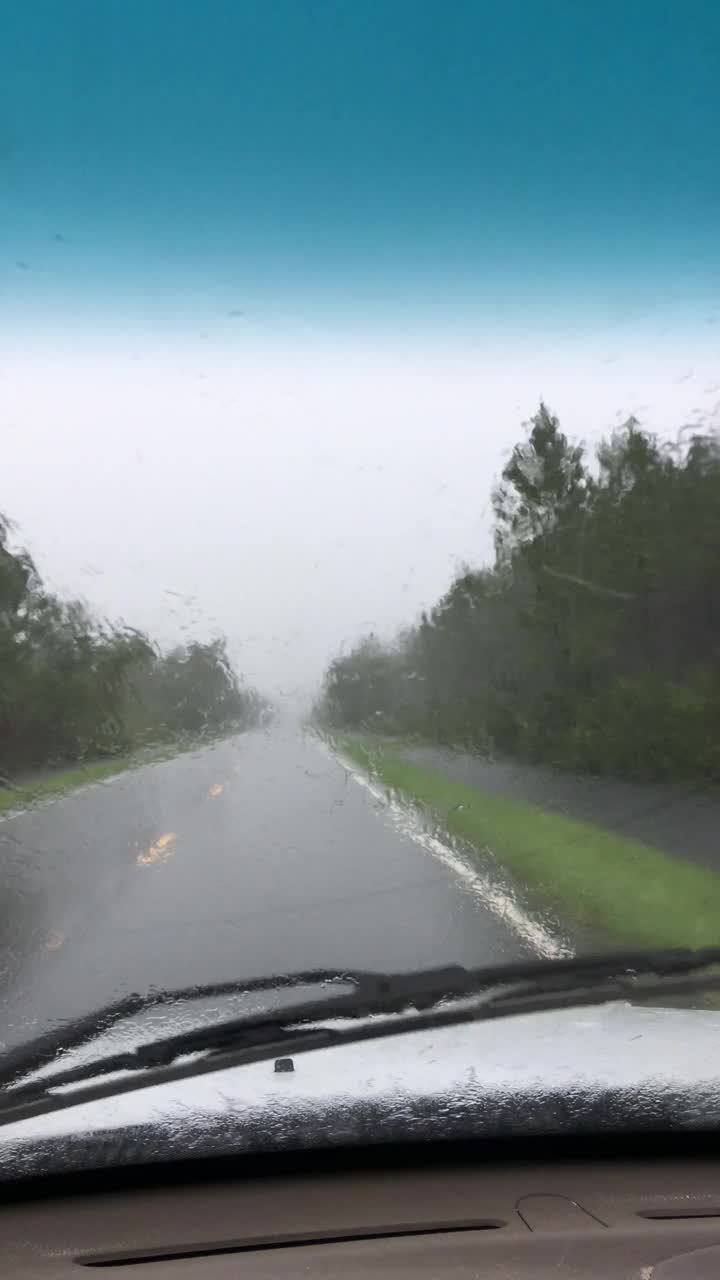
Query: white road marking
x=492 y=894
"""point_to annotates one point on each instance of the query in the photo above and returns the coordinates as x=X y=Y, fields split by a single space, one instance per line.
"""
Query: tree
x=594 y=639
x=72 y=686
x=544 y=486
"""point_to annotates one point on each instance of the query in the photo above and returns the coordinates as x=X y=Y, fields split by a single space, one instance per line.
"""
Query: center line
x=159 y=851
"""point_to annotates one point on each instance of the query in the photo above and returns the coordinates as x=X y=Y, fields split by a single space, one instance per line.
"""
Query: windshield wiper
x=367 y=988
x=412 y=1002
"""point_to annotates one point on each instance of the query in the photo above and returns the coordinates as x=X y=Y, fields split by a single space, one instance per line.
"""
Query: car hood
x=608 y=1069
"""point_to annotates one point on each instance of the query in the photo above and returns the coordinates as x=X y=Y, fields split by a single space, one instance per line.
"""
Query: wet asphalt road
x=258 y=855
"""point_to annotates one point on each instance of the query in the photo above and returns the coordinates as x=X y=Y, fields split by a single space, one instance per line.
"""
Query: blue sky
x=280 y=280
x=311 y=159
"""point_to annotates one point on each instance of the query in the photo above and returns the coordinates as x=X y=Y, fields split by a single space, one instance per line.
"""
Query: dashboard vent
x=295 y=1240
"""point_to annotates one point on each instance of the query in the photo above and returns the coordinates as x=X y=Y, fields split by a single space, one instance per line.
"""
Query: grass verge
x=64 y=781
x=22 y=797
x=636 y=894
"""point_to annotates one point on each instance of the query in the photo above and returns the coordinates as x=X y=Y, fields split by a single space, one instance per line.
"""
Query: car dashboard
x=654 y=1219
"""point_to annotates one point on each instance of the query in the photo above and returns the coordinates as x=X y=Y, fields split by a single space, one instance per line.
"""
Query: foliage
x=593 y=642
x=73 y=688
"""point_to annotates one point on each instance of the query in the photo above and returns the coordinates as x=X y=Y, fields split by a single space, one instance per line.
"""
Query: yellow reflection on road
x=159 y=851
x=216 y=789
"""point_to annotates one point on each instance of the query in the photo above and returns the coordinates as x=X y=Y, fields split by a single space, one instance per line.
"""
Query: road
x=261 y=854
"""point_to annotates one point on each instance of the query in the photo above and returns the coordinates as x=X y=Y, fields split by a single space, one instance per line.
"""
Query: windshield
x=360 y=494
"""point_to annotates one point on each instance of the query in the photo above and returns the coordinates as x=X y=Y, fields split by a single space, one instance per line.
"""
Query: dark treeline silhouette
x=72 y=687
x=593 y=642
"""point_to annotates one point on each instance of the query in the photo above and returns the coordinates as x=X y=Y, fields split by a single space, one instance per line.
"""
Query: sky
x=281 y=280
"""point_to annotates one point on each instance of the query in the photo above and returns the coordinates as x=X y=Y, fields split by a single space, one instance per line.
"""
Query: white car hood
x=574 y=1071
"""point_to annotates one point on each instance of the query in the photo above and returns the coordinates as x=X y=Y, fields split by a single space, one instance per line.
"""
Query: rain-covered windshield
x=360 y=490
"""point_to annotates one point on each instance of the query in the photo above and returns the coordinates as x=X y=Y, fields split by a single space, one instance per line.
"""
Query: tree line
x=74 y=687
x=593 y=640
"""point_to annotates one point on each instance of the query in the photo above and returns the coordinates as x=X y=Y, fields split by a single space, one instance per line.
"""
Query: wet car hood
x=571 y=1072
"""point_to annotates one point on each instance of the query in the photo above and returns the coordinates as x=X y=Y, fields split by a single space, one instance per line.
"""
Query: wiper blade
x=431 y=998
x=367 y=988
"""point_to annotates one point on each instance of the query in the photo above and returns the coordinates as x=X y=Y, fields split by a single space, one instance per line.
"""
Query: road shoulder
x=628 y=890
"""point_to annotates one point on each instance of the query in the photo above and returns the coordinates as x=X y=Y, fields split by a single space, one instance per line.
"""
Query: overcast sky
x=280 y=280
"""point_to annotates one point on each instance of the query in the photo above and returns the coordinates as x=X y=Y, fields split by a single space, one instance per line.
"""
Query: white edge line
x=46 y=802
x=493 y=895
x=55 y=797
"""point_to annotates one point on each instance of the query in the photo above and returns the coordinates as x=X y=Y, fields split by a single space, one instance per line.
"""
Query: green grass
x=64 y=781
x=22 y=797
x=636 y=894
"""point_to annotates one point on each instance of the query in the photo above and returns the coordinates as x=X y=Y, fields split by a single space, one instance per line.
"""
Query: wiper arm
x=432 y=998
x=367 y=988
